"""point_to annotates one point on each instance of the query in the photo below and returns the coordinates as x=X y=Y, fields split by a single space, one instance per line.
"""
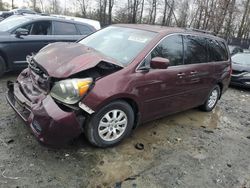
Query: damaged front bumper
x=241 y=81
x=49 y=123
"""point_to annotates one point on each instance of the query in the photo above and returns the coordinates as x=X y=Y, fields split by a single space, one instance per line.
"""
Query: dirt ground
x=189 y=149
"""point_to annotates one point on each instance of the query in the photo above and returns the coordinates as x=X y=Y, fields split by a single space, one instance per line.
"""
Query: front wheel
x=211 y=100
x=110 y=125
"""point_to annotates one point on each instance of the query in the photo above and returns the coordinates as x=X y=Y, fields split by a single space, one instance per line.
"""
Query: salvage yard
x=189 y=149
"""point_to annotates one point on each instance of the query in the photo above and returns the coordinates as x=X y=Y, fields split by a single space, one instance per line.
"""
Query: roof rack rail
x=201 y=31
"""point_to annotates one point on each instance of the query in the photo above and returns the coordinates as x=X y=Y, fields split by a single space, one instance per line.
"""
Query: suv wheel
x=110 y=125
x=212 y=99
x=2 y=66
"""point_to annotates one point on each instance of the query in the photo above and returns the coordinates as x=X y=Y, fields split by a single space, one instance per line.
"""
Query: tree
x=111 y=4
x=141 y=14
x=183 y=14
x=164 y=12
x=102 y=7
x=83 y=7
x=223 y=8
x=244 y=20
x=55 y=7
x=33 y=2
x=229 y=21
x=152 y=11
x=12 y=4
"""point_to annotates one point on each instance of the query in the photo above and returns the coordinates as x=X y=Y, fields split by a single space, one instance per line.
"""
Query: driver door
x=39 y=36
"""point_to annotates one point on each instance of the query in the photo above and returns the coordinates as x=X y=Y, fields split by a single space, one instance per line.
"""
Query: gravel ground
x=189 y=149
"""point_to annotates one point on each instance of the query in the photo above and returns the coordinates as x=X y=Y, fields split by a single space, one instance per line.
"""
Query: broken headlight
x=70 y=91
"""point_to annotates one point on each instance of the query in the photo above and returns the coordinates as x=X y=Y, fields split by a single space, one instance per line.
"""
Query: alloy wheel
x=112 y=125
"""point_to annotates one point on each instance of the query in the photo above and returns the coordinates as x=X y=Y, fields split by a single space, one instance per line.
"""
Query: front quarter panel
x=119 y=85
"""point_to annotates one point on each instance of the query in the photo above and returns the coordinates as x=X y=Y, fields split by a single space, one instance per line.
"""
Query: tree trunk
x=111 y=3
x=1 y=5
x=170 y=14
x=42 y=6
x=134 y=11
x=222 y=16
x=164 y=13
x=154 y=10
x=104 y=11
x=241 y=28
x=34 y=4
x=142 y=7
x=230 y=19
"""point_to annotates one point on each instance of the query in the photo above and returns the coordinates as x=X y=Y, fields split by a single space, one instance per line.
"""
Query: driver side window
x=38 y=28
x=171 y=48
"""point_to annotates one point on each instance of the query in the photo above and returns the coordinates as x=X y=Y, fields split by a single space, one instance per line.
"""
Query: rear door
x=199 y=69
x=218 y=54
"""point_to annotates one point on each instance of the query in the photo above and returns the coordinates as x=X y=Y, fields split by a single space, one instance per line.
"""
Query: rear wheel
x=212 y=99
x=2 y=66
x=110 y=125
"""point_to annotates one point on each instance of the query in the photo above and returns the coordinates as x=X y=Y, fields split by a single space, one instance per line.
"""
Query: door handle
x=181 y=74
x=193 y=72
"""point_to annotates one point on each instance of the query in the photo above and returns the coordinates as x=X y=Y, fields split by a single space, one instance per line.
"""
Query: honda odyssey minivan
x=117 y=78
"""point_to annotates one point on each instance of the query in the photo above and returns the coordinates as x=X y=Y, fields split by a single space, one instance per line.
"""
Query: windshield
x=241 y=59
x=120 y=43
x=12 y=22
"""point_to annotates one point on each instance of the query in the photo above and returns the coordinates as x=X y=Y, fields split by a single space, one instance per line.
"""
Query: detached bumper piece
x=49 y=123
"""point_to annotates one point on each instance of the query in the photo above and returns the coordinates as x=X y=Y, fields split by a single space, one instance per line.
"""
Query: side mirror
x=159 y=63
x=21 y=32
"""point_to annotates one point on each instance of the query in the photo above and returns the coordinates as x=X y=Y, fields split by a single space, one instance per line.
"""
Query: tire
x=211 y=100
x=103 y=130
x=2 y=67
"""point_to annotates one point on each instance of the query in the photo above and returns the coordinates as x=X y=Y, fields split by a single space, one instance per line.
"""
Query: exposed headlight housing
x=71 y=91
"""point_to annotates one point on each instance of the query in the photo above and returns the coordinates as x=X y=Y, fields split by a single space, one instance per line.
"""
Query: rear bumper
x=49 y=123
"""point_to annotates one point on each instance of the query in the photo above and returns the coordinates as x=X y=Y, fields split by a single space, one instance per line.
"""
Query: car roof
x=61 y=18
x=164 y=30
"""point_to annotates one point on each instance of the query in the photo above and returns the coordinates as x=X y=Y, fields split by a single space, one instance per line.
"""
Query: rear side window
x=195 y=50
x=170 y=48
x=217 y=50
x=84 y=30
x=64 y=28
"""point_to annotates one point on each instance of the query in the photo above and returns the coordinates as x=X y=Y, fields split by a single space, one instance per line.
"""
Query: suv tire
x=110 y=125
x=212 y=99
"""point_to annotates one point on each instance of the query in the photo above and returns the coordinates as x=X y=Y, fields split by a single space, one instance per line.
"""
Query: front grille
x=35 y=67
x=39 y=77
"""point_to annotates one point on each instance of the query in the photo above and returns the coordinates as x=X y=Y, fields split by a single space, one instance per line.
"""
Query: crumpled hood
x=62 y=59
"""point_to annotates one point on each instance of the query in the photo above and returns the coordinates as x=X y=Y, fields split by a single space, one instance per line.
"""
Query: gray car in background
x=22 y=35
x=241 y=70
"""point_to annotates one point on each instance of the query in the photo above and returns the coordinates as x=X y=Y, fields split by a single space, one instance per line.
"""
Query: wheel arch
x=221 y=88
x=128 y=99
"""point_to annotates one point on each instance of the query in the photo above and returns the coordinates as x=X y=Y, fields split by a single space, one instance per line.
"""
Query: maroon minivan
x=116 y=78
